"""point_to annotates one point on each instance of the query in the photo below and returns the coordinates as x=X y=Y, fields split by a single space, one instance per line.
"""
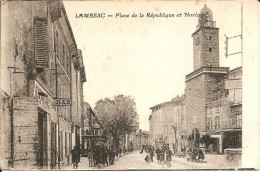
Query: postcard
x=129 y=85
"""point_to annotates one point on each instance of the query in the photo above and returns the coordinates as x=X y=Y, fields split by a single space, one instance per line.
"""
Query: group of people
x=102 y=156
x=97 y=156
x=163 y=155
x=195 y=155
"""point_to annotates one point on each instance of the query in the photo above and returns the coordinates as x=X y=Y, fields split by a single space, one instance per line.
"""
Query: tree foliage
x=117 y=116
x=207 y=140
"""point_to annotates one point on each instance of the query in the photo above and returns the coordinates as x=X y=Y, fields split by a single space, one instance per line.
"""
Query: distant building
x=167 y=123
x=92 y=132
x=144 y=138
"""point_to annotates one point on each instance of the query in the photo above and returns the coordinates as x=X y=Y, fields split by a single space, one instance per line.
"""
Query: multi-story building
x=224 y=116
x=144 y=138
x=39 y=64
x=160 y=130
x=91 y=129
x=167 y=124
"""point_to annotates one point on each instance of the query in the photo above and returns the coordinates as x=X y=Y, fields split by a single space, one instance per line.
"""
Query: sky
x=148 y=58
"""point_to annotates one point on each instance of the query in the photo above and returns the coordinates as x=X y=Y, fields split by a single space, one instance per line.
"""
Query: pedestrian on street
x=120 y=151
x=148 y=156
x=111 y=156
x=162 y=157
x=74 y=154
x=168 y=157
x=104 y=157
x=158 y=153
x=78 y=153
x=90 y=158
x=151 y=154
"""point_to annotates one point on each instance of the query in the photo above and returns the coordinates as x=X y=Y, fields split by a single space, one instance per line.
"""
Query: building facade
x=39 y=63
x=167 y=124
x=91 y=129
x=211 y=105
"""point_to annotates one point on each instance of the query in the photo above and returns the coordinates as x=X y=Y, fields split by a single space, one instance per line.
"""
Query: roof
x=161 y=104
x=235 y=69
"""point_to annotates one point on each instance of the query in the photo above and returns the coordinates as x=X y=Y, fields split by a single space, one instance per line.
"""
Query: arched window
x=217 y=122
x=210 y=123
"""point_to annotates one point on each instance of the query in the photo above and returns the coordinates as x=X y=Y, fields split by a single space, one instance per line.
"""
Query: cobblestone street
x=135 y=160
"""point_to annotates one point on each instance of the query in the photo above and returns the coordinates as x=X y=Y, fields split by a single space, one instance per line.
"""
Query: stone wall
x=25 y=126
x=195 y=103
x=233 y=156
x=204 y=40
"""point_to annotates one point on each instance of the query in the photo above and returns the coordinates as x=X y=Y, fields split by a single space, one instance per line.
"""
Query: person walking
x=168 y=157
x=120 y=151
x=78 y=153
x=74 y=154
x=151 y=153
x=90 y=158
x=158 y=153
x=111 y=156
x=162 y=157
x=104 y=157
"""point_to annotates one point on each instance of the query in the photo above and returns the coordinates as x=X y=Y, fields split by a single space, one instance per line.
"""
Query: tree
x=207 y=140
x=117 y=116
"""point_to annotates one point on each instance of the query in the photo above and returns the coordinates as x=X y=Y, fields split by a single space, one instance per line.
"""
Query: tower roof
x=205 y=17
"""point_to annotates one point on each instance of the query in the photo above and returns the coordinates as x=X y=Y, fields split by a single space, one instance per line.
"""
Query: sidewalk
x=210 y=162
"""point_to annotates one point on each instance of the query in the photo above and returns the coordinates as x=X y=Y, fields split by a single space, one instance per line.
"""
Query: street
x=135 y=160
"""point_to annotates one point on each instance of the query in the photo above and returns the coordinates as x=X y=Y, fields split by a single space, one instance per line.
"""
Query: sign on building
x=63 y=102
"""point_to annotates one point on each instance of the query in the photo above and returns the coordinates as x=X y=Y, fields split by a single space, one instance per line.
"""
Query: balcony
x=234 y=124
x=207 y=69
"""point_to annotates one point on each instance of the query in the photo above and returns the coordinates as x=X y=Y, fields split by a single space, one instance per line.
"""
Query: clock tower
x=205 y=41
x=206 y=83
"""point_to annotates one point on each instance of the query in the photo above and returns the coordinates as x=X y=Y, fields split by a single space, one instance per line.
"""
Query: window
x=210 y=123
x=209 y=37
x=56 y=44
x=217 y=122
x=239 y=120
x=40 y=42
x=218 y=108
x=67 y=62
x=210 y=49
x=62 y=54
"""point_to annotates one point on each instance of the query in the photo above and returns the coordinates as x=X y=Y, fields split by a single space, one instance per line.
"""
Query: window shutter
x=40 y=44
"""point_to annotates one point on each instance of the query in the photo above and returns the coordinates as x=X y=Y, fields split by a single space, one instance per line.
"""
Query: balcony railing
x=207 y=69
x=232 y=124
